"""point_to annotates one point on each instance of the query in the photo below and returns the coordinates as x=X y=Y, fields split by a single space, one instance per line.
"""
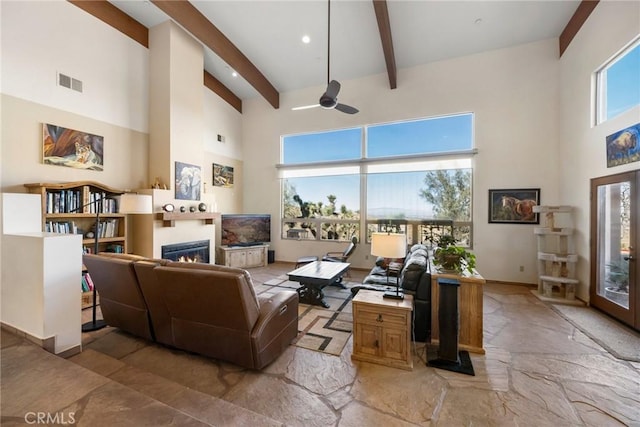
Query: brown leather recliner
x=148 y=282
x=214 y=311
x=121 y=301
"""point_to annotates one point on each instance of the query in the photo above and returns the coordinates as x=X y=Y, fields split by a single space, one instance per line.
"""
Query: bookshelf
x=70 y=208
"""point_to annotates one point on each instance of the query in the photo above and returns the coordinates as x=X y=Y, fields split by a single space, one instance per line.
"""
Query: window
x=618 y=83
x=408 y=172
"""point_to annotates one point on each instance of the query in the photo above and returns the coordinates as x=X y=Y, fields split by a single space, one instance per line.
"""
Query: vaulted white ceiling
x=269 y=34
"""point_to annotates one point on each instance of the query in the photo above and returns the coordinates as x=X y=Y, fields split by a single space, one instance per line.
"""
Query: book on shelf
x=87 y=278
x=100 y=200
x=63 y=201
x=85 y=285
x=107 y=228
x=63 y=227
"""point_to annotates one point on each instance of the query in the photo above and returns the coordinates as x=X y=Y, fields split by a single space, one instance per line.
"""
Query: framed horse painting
x=514 y=206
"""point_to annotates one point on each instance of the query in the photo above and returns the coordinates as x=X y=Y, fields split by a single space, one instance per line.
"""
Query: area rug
x=326 y=330
x=616 y=338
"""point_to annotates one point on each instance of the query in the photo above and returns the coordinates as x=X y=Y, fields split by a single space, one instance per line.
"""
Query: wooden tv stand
x=243 y=256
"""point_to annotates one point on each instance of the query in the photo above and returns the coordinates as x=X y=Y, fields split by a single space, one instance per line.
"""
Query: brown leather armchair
x=214 y=311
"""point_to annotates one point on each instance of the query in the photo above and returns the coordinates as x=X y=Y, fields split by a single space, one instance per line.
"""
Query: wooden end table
x=382 y=329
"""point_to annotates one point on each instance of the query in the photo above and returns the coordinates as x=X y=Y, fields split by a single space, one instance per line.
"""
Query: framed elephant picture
x=188 y=181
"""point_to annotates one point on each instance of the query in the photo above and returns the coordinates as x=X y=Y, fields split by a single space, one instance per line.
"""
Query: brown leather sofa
x=207 y=309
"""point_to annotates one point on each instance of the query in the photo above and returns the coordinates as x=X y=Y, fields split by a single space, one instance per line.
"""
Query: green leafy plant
x=618 y=275
x=451 y=257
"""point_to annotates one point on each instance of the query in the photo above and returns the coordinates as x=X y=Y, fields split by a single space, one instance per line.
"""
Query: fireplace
x=196 y=251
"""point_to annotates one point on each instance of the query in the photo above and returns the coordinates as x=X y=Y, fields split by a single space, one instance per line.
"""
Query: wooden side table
x=382 y=329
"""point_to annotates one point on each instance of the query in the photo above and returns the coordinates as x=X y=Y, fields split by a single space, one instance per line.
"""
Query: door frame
x=631 y=316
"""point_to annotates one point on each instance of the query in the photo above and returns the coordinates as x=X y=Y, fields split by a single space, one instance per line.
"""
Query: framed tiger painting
x=514 y=206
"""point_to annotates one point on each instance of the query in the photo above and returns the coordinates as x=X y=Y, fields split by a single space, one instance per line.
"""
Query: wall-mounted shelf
x=169 y=218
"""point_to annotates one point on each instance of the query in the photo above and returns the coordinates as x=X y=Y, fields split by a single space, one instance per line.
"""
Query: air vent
x=64 y=80
x=76 y=85
x=69 y=82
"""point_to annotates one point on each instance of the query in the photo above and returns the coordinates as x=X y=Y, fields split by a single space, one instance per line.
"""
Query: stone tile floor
x=538 y=370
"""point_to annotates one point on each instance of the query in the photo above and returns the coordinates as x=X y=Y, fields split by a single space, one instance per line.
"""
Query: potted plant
x=451 y=257
x=618 y=280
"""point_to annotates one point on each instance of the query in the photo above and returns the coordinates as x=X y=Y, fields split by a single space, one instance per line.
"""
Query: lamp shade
x=130 y=203
x=389 y=245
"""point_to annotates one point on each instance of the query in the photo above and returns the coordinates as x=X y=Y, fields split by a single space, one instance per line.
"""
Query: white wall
x=42 y=38
x=610 y=27
x=514 y=94
x=114 y=104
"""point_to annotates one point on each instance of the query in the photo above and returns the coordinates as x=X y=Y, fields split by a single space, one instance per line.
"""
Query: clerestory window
x=618 y=83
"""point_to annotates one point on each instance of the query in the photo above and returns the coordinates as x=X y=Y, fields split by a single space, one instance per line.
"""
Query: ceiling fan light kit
x=329 y=100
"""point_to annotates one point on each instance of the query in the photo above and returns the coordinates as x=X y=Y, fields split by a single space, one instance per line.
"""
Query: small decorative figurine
x=168 y=207
x=183 y=209
x=192 y=208
x=202 y=207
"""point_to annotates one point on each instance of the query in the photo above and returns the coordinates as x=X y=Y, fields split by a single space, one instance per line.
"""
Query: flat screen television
x=245 y=229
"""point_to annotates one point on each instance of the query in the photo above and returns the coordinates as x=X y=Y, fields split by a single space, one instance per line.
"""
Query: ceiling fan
x=329 y=99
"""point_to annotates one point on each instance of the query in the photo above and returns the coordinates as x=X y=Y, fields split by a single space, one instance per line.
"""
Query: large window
x=335 y=183
x=618 y=83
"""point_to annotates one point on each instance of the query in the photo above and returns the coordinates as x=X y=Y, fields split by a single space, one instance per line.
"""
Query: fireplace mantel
x=169 y=218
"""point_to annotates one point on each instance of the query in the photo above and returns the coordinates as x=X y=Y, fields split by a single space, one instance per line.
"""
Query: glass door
x=614 y=225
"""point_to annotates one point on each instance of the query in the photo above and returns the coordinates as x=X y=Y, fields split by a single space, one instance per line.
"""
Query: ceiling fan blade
x=305 y=107
x=346 y=109
x=332 y=89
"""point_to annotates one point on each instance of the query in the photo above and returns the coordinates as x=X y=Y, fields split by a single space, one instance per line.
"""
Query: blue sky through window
x=623 y=83
x=341 y=144
x=434 y=135
x=390 y=194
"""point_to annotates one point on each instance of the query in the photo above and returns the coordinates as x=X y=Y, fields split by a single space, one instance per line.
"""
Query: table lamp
x=128 y=203
x=389 y=245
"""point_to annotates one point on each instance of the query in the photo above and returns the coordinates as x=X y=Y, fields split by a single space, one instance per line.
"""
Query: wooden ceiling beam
x=384 y=26
x=113 y=16
x=216 y=86
x=185 y=14
x=575 y=23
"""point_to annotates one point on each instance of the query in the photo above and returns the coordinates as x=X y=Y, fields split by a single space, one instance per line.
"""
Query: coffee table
x=315 y=276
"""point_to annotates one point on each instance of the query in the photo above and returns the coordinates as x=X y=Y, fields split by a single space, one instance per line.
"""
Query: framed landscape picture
x=72 y=148
x=222 y=176
x=514 y=206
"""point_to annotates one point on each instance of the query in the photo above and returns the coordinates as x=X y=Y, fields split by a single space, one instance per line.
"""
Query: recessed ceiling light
x=306 y=39
x=234 y=74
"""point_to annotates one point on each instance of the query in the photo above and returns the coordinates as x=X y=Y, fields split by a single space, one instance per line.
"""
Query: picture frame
x=222 y=176
x=188 y=181
x=72 y=148
x=514 y=206
x=623 y=146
